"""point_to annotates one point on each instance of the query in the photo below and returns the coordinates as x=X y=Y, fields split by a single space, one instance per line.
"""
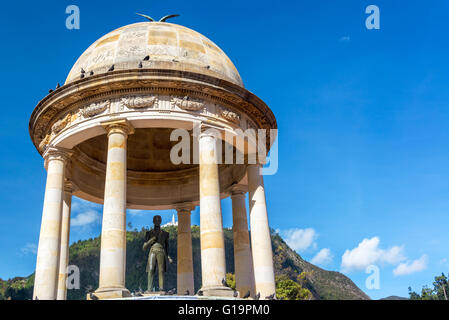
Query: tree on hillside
x=441 y=286
x=287 y=289
x=438 y=292
x=315 y=282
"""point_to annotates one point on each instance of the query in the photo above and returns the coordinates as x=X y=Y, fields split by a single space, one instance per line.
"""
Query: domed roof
x=170 y=46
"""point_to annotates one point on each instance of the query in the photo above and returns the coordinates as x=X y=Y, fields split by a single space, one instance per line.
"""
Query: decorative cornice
x=161 y=81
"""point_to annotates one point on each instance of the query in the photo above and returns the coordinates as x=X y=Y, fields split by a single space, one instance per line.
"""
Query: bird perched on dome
x=163 y=19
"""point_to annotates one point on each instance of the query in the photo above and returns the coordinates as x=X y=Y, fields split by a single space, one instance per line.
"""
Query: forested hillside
x=294 y=276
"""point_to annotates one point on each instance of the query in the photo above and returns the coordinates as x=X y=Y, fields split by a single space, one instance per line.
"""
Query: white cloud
x=29 y=248
x=300 y=239
x=323 y=257
x=368 y=252
x=345 y=39
x=85 y=218
x=394 y=255
x=82 y=205
x=135 y=213
x=408 y=267
x=85 y=213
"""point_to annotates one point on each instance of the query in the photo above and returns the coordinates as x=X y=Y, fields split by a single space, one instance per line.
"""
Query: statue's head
x=157 y=220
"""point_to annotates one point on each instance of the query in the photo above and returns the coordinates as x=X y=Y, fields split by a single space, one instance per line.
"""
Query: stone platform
x=162 y=295
x=176 y=297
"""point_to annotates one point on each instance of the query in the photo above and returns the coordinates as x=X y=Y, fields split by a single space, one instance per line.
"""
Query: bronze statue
x=157 y=240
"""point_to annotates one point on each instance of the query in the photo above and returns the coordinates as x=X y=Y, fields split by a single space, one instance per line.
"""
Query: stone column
x=65 y=236
x=185 y=259
x=260 y=234
x=113 y=233
x=47 y=264
x=213 y=265
x=243 y=262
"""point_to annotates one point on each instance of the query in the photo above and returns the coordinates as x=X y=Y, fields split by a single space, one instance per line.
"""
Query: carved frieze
x=187 y=103
x=95 y=109
x=230 y=115
x=189 y=94
x=44 y=142
x=61 y=124
x=139 y=102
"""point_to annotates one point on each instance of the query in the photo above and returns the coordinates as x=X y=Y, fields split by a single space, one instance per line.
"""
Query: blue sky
x=362 y=115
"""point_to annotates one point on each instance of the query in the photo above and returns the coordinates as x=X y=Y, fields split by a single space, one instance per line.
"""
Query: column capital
x=184 y=208
x=56 y=153
x=207 y=130
x=238 y=189
x=118 y=126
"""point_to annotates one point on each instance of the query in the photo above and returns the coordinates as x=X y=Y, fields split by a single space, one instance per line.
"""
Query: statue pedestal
x=176 y=297
x=154 y=293
x=219 y=291
x=110 y=294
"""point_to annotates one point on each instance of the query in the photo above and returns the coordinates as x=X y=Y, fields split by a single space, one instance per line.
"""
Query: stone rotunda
x=105 y=137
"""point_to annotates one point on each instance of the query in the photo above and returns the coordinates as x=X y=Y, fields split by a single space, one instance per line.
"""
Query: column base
x=218 y=291
x=110 y=293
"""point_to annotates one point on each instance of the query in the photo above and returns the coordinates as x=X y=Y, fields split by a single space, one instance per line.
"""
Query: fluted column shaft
x=65 y=236
x=243 y=263
x=260 y=234
x=185 y=259
x=113 y=234
x=47 y=264
x=213 y=265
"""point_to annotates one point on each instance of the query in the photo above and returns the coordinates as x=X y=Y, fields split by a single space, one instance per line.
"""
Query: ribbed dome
x=170 y=46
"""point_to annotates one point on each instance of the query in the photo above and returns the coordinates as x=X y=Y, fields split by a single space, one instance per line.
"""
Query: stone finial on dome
x=163 y=19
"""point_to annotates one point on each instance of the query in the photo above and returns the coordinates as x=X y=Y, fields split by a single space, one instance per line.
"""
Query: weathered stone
x=109 y=135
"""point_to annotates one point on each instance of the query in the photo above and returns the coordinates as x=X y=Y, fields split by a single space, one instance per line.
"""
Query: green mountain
x=288 y=265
